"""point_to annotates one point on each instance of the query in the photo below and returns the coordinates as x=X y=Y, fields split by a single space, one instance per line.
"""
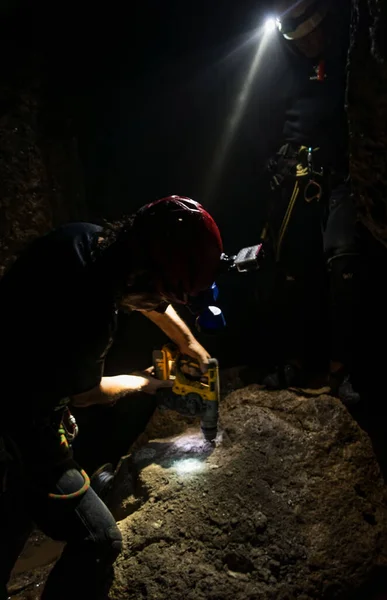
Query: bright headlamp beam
x=270 y=25
x=263 y=35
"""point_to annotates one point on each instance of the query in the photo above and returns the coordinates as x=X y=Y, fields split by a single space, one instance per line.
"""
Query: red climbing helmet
x=181 y=244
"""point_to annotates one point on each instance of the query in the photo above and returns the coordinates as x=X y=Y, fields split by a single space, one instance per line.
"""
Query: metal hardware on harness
x=312 y=190
x=310 y=161
x=68 y=430
x=70 y=426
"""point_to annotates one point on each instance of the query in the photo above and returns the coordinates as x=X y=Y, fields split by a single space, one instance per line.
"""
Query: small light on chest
x=319 y=72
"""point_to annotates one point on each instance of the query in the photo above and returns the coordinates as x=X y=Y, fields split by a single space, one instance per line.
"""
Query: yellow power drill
x=191 y=395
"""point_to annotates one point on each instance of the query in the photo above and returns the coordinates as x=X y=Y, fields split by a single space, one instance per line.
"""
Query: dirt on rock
x=289 y=505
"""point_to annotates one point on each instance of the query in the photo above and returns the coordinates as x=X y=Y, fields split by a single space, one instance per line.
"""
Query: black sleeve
x=86 y=376
x=73 y=376
x=162 y=307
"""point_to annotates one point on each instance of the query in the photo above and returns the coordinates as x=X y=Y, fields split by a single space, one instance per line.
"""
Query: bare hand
x=196 y=351
x=151 y=383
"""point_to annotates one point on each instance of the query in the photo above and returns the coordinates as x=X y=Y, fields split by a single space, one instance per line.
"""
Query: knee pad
x=343 y=259
x=103 y=547
x=342 y=256
x=343 y=276
x=108 y=544
x=340 y=229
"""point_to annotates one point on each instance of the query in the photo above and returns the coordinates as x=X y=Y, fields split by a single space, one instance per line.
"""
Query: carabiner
x=310 y=161
x=312 y=191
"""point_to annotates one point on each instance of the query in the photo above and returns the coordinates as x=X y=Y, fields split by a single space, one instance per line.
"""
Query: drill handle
x=213 y=363
x=193 y=366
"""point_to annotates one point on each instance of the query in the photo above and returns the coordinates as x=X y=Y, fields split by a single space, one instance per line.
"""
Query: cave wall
x=40 y=175
x=41 y=181
x=367 y=113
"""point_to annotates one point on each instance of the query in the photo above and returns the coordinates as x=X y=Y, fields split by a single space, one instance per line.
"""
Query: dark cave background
x=102 y=110
x=118 y=110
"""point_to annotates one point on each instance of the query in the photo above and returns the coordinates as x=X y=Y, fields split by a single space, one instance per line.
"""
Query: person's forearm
x=172 y=325
x=111 y=389
x=177 y=331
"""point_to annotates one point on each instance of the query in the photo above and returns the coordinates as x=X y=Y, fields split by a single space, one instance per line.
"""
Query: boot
x=341 y=386
x=273 y=380
x=283 y=377
x=102 y=480
x=343 y=272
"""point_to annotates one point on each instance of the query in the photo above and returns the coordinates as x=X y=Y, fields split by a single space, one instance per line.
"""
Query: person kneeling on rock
x=58 y=309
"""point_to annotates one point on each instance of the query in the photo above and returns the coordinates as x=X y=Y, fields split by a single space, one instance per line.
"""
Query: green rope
x=80 y=492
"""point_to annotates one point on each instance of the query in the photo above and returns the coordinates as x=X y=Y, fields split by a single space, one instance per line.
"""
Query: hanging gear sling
x=58 y=448
x=68 y=430
x=298 y=165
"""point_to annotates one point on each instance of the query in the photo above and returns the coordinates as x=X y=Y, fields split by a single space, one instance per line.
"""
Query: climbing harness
x=68 y=430
x=313 y=190
x=286 y=219
x=306 y=180
x=59 y=439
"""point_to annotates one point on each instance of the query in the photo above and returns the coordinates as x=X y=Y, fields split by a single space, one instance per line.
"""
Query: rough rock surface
x=40 y=180
x=289 y=505
x=367 y=113
x=24 y=198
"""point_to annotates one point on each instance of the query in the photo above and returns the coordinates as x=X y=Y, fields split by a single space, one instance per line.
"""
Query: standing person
x=311 y=211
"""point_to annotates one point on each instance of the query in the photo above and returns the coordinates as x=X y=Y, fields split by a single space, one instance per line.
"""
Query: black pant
x=318 y=234
x=85 y=523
